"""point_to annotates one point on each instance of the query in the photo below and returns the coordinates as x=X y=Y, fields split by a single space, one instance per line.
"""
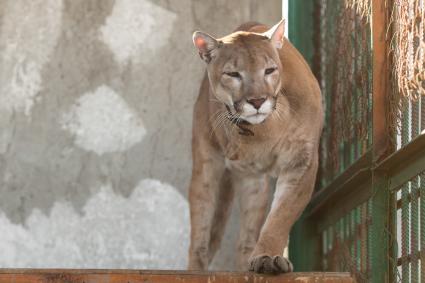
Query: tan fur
x=228 y=157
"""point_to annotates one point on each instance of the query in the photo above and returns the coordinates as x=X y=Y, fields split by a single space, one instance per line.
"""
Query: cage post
x=381 y=146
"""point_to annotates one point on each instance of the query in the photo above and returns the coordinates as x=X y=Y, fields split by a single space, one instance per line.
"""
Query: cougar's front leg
x=208 y=168
x=253 y=196
x=293 y=192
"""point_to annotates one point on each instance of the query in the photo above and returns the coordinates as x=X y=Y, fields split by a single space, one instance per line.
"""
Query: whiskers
x=223 y=120
x=278 y=111
x=285 y=112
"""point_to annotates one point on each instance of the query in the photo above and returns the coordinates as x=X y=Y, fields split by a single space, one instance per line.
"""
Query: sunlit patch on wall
x=149 y=230
x=29 y=43
x=102 y=122
x=134 y=27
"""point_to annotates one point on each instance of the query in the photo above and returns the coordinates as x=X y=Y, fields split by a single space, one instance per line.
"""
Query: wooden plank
x=405 y=163
x=347 y=182
x=147 y=276
x=400 y=158
x=336 y=209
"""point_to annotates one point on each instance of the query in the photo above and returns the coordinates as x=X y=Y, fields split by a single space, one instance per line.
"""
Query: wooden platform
x=142 y=276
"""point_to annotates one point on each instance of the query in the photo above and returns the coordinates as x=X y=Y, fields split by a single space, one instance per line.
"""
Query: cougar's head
x=244 y=70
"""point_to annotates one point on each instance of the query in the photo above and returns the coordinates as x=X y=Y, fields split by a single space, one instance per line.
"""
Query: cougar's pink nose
x=256 y=102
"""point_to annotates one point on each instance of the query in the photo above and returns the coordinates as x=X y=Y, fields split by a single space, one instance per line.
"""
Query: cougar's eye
x=233 y=74
x=268 y=71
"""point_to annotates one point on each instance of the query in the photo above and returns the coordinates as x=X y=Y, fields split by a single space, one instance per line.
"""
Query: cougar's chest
x=268 y=158
x=252 y=162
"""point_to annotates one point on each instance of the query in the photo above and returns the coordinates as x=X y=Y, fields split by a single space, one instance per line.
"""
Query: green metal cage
x=367 y=215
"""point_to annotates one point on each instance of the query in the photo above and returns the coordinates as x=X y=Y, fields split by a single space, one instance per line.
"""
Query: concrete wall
x=96 y=102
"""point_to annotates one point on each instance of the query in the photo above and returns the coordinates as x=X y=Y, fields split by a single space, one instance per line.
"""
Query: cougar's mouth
x=256 y=118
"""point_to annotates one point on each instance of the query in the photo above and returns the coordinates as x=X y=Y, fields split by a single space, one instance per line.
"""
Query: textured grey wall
x=96 y=102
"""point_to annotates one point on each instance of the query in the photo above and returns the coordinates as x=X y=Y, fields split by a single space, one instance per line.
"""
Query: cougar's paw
x=270 y=265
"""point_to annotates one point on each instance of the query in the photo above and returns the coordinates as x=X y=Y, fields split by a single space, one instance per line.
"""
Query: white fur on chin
x=256 y=119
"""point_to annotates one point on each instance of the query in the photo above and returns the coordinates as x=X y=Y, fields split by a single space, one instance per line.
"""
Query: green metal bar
x=415 y=119
x=422 y=199
x=358 y=239
x=379 y=240
x=405 y=217
x=405 y=213
x=363 y=238
x=327 y=76
x=356 y=94
x=352 y=225
x=414 y=247
x=393 y=244
x=300 y=27
x=324 y=254
x=422 y=224
x=369 y=237
x=346 y=233
x=414 y=212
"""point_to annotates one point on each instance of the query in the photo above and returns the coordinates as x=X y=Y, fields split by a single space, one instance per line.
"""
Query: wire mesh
x=345 y=76
x=410 y=229
x=412 y=121
x=346 y=243
x=408 y=76
x=407 y=116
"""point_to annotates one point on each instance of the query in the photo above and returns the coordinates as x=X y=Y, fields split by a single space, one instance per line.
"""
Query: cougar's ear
x=276 y=34
x=206 y=45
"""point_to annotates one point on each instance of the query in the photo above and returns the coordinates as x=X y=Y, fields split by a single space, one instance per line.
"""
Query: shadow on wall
x=96 y=103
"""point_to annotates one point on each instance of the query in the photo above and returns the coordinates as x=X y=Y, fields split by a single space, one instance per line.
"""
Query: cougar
x=258 y=117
